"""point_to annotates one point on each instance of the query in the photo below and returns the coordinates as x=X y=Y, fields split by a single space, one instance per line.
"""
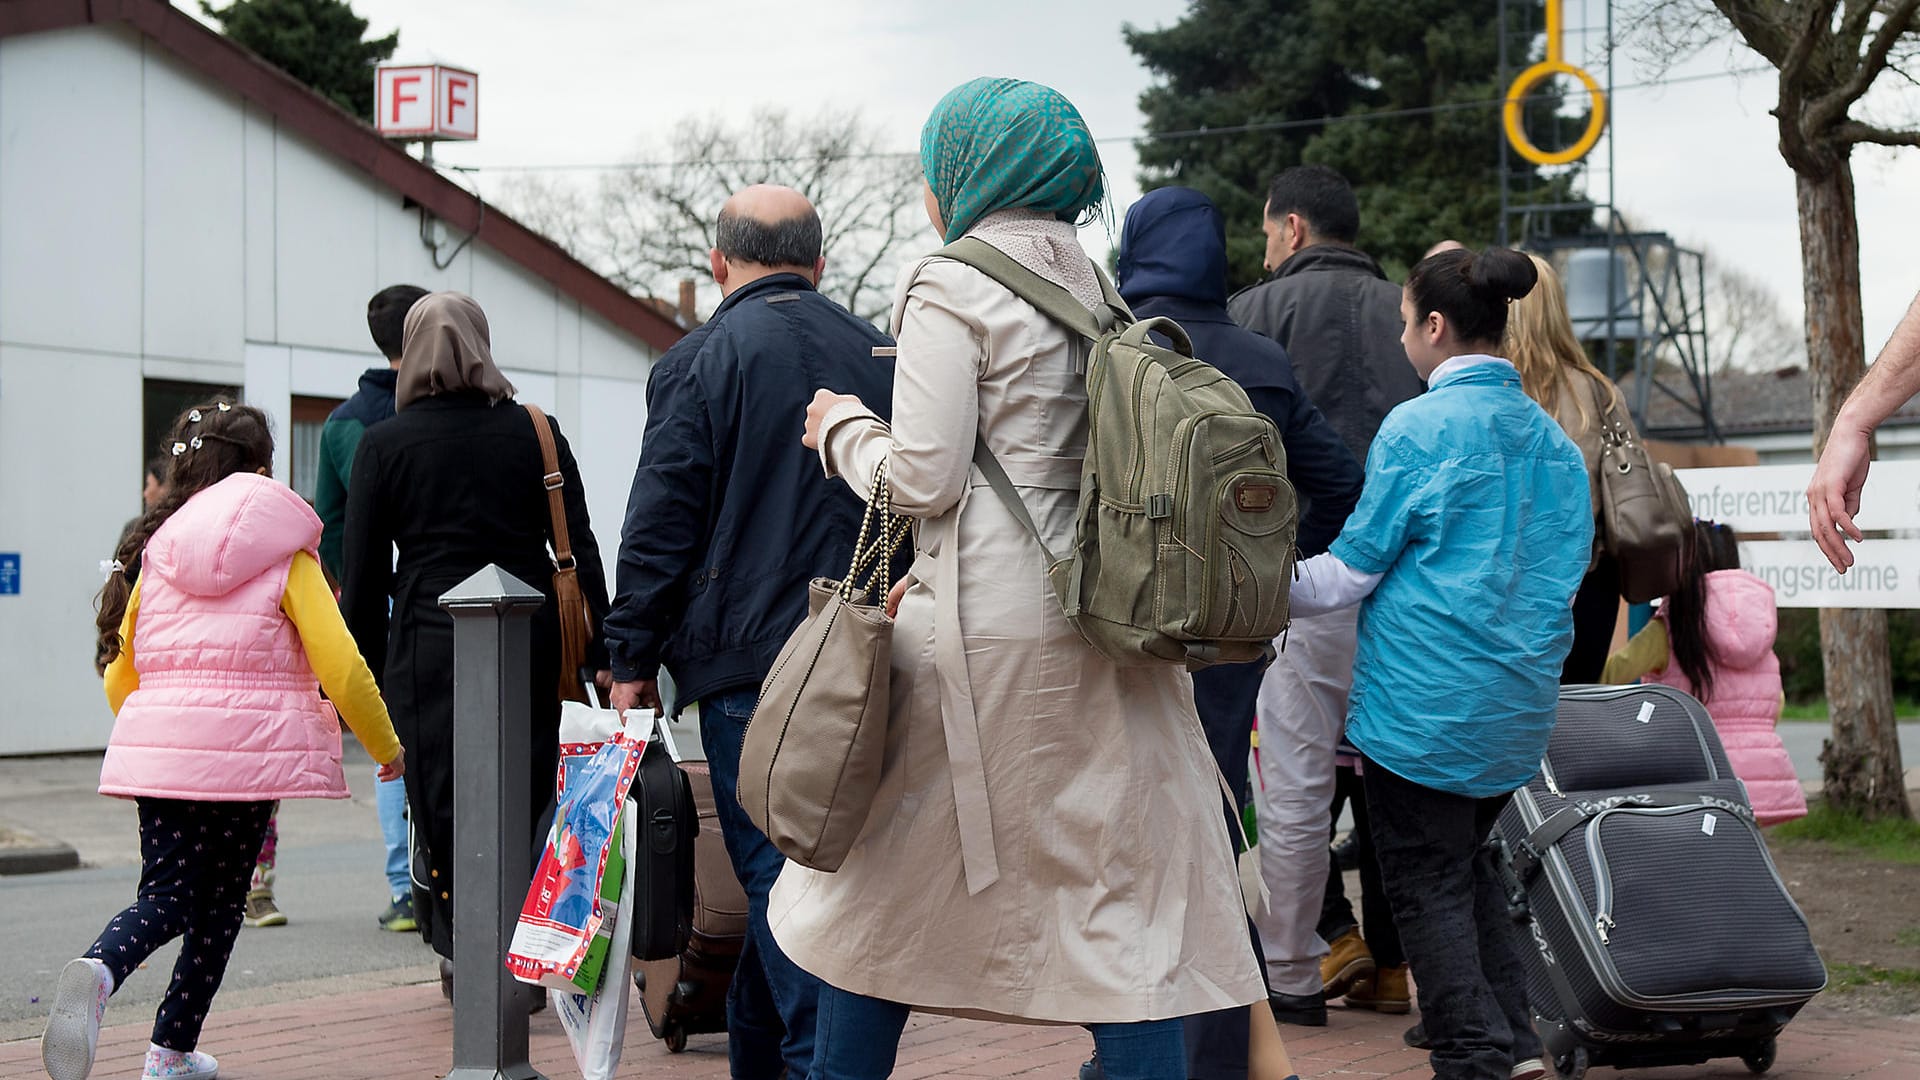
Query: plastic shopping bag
x=563 y=935
x=596 y=1022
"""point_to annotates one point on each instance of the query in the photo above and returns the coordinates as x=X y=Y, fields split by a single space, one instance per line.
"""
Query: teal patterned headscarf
x=1005 y=144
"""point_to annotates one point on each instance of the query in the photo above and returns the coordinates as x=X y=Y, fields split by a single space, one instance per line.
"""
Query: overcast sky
x=597 y=80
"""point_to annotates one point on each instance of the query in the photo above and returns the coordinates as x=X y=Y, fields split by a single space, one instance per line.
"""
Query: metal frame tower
x=1654 y=321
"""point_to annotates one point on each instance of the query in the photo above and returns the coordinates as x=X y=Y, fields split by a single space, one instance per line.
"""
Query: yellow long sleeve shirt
x=1645 y=653
x=308 y=602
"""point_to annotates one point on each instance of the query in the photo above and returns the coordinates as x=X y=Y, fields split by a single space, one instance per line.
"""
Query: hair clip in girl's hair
x=224 y=407
x=180 y=448
x=194 y=442
x=110 y=567
x=193 y=416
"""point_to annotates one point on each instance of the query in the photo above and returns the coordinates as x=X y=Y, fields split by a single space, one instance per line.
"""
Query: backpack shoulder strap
x=1054 y=302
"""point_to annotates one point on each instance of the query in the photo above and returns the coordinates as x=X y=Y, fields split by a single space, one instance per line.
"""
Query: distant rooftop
x=1747 y=403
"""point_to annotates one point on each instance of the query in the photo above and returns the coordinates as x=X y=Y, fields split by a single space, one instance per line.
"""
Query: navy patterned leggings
x=196 y=860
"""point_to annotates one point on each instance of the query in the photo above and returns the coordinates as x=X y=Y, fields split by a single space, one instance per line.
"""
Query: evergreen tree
x=1420 y=178
x=318 y=42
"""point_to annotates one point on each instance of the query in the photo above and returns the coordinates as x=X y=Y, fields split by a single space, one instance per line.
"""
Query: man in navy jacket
x=728 y=520
x=1173 y=263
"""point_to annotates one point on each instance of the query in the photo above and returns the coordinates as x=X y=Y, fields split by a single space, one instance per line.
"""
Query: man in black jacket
x=729 y=518
x=1330 y=306
x=1173 y=263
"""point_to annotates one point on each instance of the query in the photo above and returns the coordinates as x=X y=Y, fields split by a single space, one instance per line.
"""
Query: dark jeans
x=770 y=1006
x=1596 y=607
x=1453 y=920
x=1336 y=911
x=196 y=859
x=1224 y=696
x=859 y=1038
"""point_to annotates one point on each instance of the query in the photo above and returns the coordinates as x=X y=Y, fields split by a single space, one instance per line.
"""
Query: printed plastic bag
x=596 y=1022
x=564 y=931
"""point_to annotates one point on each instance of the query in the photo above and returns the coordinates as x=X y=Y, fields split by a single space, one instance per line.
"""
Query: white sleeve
x=1324 y=583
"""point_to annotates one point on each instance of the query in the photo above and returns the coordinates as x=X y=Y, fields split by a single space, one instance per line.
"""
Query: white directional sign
x=1773 y=498
x=1885 y=574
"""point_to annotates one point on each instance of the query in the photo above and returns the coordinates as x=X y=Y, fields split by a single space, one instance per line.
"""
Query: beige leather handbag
x=810 y=763
x=1646 y=521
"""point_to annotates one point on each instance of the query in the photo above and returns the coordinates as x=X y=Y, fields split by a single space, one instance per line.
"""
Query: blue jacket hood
x=1174 y=243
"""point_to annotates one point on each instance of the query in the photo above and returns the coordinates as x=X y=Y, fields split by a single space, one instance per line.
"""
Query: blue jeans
x=770 y=1006
x=390 y=798
x=858 y=1038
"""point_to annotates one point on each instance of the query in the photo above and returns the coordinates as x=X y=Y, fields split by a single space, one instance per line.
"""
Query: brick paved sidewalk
x=406 y=1032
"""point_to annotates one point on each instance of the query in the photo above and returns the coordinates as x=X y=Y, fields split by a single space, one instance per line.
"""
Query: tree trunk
x=1860 y=765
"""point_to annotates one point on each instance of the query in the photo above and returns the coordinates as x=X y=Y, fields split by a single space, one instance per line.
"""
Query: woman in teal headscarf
x=1046 y=844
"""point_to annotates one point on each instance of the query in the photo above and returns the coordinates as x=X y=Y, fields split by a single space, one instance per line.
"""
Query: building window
x=303 y=446
x=162 y=402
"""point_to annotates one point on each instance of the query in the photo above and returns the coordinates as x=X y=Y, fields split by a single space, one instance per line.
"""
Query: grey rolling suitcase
x=1659 y=932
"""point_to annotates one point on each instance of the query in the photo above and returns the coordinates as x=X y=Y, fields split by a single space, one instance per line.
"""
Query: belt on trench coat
x=958 y=720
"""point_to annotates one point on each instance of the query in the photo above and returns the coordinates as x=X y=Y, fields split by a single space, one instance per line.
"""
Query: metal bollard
x=492 y=613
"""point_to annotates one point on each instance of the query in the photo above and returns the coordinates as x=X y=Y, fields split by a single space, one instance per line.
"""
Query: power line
x=1193 y=133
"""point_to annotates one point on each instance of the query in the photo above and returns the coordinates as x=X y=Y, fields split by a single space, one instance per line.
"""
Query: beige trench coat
x=1048 y=842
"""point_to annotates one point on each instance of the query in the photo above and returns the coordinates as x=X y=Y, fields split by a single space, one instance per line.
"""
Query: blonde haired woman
x=1555 y=371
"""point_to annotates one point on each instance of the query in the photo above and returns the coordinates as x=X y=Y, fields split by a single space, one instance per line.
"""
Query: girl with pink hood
x=1713 y=638
x=214 y=660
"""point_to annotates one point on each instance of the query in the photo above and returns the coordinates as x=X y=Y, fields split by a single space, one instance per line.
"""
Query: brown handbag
x=810 y=762
x=1646 y=521
x=576 y=623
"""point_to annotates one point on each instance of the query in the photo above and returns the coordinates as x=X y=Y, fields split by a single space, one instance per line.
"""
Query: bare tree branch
x=1828 y=108
x=1852 y=132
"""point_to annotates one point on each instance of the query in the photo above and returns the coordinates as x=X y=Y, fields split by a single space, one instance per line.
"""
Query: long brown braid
x=207 y=444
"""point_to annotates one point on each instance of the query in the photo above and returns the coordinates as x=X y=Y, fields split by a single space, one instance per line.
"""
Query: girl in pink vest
x=1713 y=638
x=214 y=660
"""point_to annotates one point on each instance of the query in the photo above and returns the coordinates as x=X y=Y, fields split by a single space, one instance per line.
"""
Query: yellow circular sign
x=1522 y=86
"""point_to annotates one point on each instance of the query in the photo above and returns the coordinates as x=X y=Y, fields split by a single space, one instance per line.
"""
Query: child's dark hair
x=1472 y=289
x=1715 y=547
x=387 y=317
x=207 y=444
x=157 y=468
x=1320 y=195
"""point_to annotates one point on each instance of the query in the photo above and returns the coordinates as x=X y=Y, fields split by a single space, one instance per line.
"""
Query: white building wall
x=154 y=225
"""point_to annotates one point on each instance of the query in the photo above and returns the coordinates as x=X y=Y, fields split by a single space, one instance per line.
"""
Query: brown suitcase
x=687 y=995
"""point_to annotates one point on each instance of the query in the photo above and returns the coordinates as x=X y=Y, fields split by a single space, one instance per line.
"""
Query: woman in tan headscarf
x=454 y=481
x=1554 y=371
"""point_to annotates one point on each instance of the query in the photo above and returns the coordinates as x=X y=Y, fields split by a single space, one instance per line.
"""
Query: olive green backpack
x=1183 y=544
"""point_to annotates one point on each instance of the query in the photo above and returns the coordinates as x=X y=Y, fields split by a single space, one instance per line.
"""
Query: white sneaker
x=165 y=1064
x=1530 y=1069
x=73 y=1027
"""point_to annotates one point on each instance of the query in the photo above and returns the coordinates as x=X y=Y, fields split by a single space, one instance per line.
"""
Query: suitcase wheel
x=676 y=1038
x=1760 y=1058
x=1573 y=1064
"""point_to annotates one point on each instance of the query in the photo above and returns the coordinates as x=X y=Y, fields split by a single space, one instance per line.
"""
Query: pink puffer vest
x=228 y=708
x=1741 y=624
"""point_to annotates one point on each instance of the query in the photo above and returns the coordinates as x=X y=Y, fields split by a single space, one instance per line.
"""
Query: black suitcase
x=663 y=854
x=687 y=994
x=1659 y=931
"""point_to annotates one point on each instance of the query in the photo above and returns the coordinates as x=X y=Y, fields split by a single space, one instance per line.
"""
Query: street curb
x=38 y=860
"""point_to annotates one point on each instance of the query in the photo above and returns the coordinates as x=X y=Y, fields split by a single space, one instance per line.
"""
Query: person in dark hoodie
x=1173 y=263
x=339 y=439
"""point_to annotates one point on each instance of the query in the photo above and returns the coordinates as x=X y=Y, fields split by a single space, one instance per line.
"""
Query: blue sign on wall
x=9 y=573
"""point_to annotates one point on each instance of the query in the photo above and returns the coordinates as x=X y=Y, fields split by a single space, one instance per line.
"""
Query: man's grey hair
x=792 y=241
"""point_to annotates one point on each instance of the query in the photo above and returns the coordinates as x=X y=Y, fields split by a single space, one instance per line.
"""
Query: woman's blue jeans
x=858 y=1037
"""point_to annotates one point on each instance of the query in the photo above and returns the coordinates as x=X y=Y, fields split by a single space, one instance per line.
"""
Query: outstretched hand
x=1833 y=498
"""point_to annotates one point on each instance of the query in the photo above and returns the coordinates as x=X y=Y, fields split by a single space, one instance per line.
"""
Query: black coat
x=455 y=484
x=1338 y=317
x=730 y=516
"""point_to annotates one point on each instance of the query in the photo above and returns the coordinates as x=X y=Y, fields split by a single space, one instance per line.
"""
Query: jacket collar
x=380 y=380
x=783 y=281
x=1473 y=368
x=1330 y=256
x=1180 y=309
